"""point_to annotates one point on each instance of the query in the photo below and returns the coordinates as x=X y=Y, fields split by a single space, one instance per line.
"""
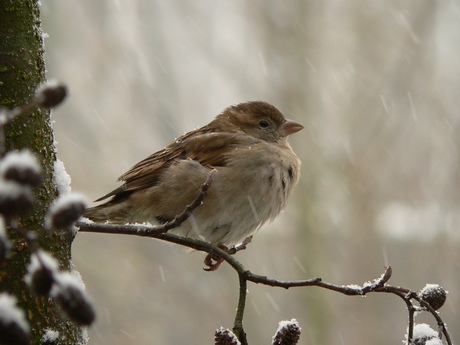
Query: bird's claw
x=213 y=261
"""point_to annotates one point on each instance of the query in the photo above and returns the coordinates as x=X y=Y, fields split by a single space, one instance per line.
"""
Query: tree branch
x=378 y=285
x=160 y=232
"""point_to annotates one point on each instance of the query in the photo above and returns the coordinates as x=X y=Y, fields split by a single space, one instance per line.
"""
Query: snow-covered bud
x=14 y=329
x=65 y=211
x=69 y=293
x=5 y=244
x=41 y=272
x=21 y=167
x=224 y=336
x=50 y=94
x=423 y=334
x=15 y=199
x=288 y=333
x=434 y=295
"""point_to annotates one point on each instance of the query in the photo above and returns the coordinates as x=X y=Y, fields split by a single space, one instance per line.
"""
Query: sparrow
x=256 y=172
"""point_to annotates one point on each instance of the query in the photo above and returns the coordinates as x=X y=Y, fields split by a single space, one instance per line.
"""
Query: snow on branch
x=429 y=299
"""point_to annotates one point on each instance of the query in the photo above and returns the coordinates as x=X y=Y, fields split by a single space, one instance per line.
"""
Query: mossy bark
x=22 y=68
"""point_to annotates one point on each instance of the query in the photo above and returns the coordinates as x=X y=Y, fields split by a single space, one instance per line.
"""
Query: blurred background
x=376 y=85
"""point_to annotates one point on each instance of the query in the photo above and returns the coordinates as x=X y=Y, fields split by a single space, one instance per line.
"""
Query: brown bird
x=256 y=173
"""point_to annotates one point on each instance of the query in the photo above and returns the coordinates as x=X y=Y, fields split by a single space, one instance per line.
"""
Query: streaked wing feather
x=206 y=147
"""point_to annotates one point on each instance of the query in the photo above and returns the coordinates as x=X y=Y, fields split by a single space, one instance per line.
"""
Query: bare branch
x=240 y=246
x=149 y=230
x=245 y=276
x=378 y=285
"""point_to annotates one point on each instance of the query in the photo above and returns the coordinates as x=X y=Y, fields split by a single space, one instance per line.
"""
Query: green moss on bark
x=22 y=69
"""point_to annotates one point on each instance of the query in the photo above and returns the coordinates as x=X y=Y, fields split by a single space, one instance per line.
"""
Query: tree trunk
x=22 y=68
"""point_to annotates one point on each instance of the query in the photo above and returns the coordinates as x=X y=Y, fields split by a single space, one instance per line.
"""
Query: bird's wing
x=207 y=148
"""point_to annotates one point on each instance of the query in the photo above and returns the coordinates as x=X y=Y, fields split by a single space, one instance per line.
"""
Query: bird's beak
x=290 y=127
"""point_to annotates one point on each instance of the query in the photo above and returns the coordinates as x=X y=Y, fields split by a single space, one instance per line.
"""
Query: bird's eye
x=264 y=124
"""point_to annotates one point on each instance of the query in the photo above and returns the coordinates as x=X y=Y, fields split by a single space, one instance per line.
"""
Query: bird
x=256 y=171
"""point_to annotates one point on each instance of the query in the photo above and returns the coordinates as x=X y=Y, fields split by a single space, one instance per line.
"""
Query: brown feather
x=256 y=173
x=207 y=145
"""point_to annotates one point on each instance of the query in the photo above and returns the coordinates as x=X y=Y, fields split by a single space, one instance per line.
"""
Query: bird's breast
x=251 y=189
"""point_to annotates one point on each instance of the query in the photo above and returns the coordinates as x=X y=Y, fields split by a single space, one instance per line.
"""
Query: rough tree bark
x=22 y=68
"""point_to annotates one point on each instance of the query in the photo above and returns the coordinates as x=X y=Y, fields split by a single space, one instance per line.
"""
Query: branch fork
x=218 y=254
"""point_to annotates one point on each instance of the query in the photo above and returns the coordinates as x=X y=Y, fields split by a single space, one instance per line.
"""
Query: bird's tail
x=110 y=212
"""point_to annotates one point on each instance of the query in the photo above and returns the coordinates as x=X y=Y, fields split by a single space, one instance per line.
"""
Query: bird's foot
x=213 y=261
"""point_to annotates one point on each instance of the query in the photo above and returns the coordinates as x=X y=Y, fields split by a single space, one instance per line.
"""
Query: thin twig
x=178 y=220
x=435 y=314
x=238 y=329
x=379 y=285
x=240 y=246
x=149 y=230
x=160 y=232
